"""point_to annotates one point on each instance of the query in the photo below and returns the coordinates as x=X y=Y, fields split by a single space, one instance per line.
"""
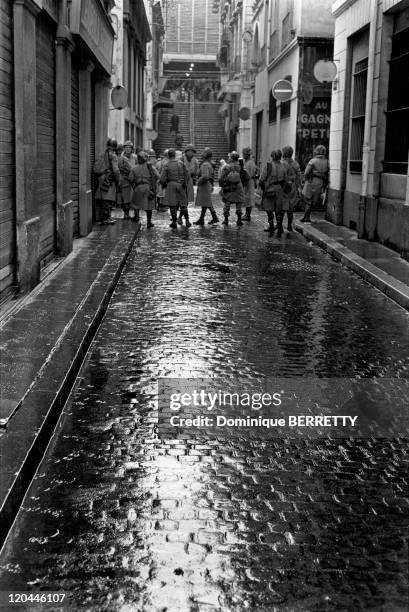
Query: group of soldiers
x=137 y=181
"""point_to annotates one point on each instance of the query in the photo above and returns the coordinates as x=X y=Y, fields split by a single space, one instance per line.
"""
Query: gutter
x=366 y=147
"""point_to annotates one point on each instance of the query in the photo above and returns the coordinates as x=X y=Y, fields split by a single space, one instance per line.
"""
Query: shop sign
x=313 y=127
x=90 y=22
x=315 y=121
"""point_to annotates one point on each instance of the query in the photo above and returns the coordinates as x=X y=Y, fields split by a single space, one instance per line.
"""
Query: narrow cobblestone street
x=124 y=520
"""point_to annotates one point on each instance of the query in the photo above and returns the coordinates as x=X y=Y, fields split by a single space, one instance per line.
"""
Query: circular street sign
x=325 y=71
x=282 y=90
x=244 y=113
x=151 y=134
x=119 y=97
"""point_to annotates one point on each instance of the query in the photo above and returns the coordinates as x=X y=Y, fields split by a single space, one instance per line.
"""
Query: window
x=286 y=30
x=285 y=107
x=273 y=45
x=358 y=115
x=397 y=115
x=272 y=109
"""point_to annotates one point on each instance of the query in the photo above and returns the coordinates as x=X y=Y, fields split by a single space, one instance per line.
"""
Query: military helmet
x=234 y=156
x=276 y=155
x=320 y=150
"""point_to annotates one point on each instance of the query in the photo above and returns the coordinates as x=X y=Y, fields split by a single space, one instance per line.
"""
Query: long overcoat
x=107 y=171
x=316 y=179
x=205 y=185
x=174 y=178
x=192 y=167
x=143 y=183
x=293 y=178
x=271 y=180
x=250 y=188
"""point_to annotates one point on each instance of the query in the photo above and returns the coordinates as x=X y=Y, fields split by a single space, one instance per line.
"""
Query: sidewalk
x=377 y=264
x=43 y=342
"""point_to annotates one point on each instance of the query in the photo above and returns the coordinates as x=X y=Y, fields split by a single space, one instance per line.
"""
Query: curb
x=41 y=407
x=387 y=284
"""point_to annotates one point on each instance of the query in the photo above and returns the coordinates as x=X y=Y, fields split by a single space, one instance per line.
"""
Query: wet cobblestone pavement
x=126 y=521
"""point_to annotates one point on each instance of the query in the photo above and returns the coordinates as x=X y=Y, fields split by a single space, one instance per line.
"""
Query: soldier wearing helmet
x=271 y=181
x=107 y=170
x=233 y=177
x=205 y=187
x=126 y=162
x=291 y=186
x=250 y=188
x=316 y=181
x=174 y=179
x=192 y=167
x=143 y=179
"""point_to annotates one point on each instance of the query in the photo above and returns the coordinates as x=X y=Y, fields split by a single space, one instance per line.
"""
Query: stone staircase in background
x=207 y=124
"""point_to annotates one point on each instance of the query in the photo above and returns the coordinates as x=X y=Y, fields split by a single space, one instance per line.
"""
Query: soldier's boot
x=136 y=216
x=307 y=214
x=247 y=216
x=186 y=216
x=215 y=218
x=174 y=217
x=239 y=222
x=149 y=223
x=200 y=220
x=280 y=217
x=226 y=219
x=126 y=212
x=270 y=217
x=180 y=217
x=290 y=217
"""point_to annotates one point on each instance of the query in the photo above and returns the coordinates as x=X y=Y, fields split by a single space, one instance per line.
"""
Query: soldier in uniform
x=316 y=181
x=174 y=178
x=192 y=166
x=107 y=170
x=291 y=186
x=205 y=183
x=233 y=178
x=143 y=181
x=250 y=188
x=271 y=181
x=126 y=162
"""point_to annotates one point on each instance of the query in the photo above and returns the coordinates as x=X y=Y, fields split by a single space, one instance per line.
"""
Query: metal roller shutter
x=45 y=176
x=93 y=180
x=75 y=147
x=7 y=165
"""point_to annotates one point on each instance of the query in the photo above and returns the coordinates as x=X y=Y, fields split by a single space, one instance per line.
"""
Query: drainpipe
x=368 y=120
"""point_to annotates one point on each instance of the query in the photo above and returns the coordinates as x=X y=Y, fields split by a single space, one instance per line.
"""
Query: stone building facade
x=289 y=37
x=133 y=33
x=56 y=59
x=369 y=140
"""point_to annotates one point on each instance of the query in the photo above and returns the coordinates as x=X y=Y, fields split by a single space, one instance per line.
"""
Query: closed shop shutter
x=93 y=179
x=7 y=165
x=45 y=175
x=75 y=147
